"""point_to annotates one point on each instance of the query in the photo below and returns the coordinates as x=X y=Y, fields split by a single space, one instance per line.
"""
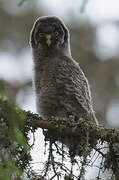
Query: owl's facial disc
x=49 y=33
x=50 y=36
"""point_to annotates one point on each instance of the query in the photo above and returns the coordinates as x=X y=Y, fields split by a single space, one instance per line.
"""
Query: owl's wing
x=73 y=88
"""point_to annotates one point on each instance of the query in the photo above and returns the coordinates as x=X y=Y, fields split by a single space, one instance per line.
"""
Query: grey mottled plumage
x=60 y=84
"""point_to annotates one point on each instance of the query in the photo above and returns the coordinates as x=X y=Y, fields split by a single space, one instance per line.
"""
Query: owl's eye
x=41 y=34
x=56 y=33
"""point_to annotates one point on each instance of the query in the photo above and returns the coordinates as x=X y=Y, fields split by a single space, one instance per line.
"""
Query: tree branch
x=70 y=127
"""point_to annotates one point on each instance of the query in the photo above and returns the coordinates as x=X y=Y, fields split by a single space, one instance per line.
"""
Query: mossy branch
x=83 y=137
x=80 y=137
x=70 y=127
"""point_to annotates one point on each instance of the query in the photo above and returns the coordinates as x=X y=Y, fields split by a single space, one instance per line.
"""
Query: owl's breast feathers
x=64 y=85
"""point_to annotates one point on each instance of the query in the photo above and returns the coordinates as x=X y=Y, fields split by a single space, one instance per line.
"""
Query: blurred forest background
x=94 y=29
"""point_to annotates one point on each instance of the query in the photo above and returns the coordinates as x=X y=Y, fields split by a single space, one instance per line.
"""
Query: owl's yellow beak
x=48 y=39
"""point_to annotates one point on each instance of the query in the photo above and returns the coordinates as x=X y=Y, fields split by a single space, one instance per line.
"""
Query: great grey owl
x=60 y=84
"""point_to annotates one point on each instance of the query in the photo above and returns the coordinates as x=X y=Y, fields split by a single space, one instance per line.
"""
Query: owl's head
x=49 y=32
